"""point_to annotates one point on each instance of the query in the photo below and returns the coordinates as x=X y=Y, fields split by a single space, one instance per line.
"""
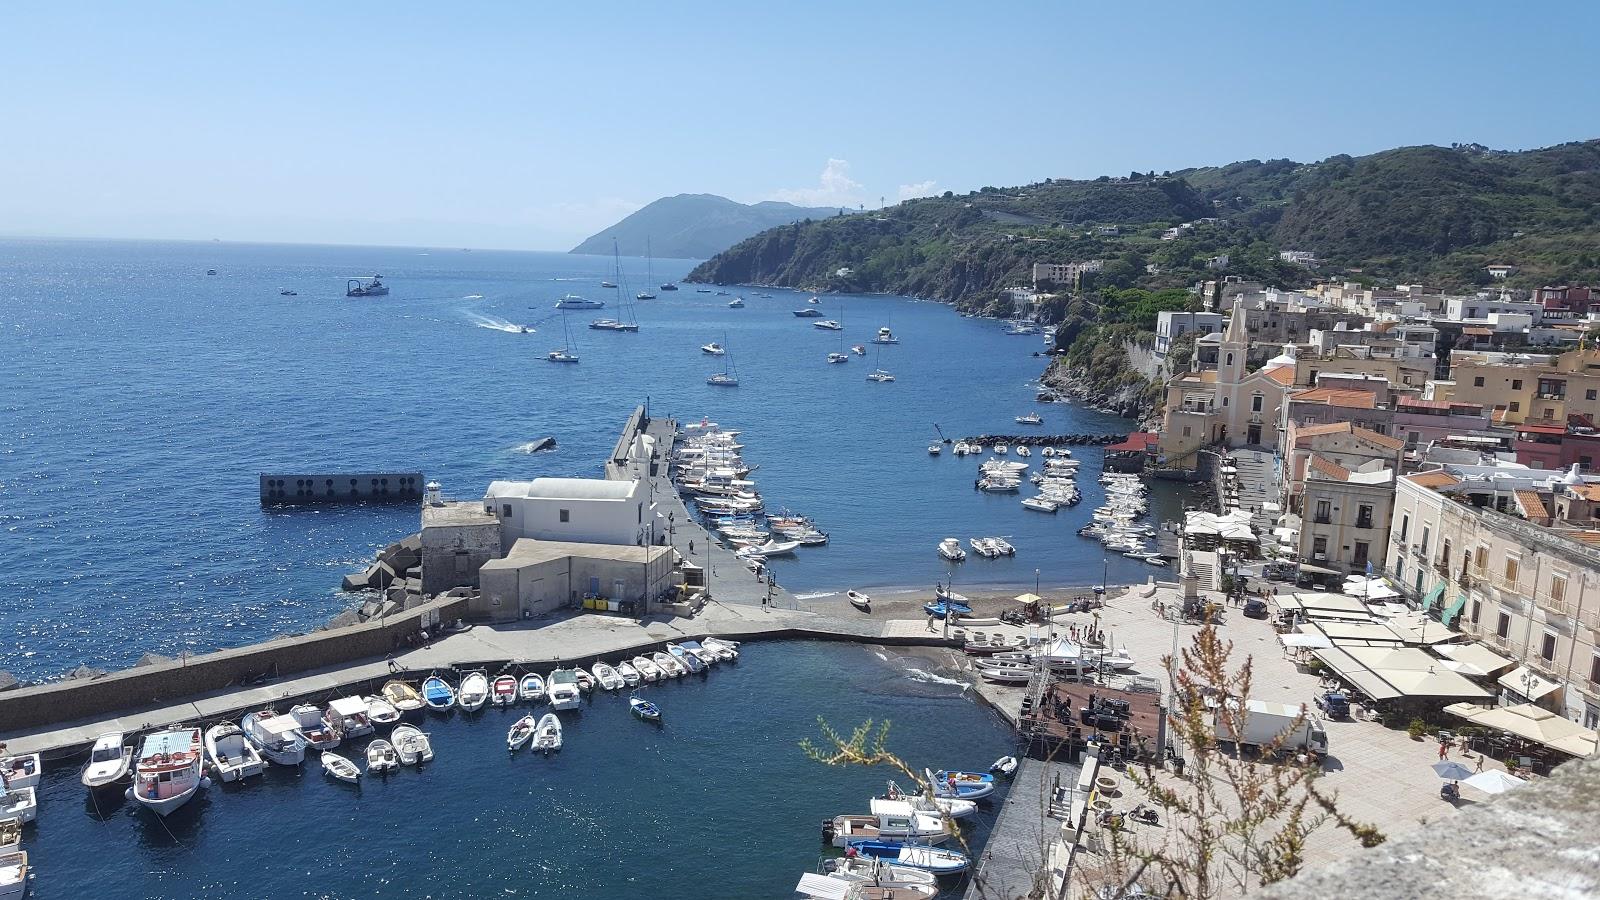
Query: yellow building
x=1223 y=407
x=1521 y=389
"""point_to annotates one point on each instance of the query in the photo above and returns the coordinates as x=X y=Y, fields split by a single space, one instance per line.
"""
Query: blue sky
x=532 y=125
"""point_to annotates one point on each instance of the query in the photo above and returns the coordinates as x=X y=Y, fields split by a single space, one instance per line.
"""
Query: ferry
x=168 y=772
x=573 y=301
x=355 y=287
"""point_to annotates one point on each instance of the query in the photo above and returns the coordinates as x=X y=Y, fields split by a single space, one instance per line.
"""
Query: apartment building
x=1522 y=388
x=1344 y=514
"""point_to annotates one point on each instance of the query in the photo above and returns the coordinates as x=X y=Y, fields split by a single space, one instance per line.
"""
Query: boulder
x=359 y=581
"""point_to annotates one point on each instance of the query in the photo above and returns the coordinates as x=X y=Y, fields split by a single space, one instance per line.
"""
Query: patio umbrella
x=1029 y=598
x=1450 y=770
x=1494 y=781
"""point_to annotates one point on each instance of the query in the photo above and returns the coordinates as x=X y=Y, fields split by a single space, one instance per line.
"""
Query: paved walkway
x=1013 y=859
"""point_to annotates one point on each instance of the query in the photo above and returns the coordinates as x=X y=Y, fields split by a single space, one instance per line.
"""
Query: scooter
x=1145 y=814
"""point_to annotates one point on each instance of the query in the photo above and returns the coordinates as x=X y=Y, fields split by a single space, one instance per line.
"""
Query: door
x=619 y=588
x=594 y=586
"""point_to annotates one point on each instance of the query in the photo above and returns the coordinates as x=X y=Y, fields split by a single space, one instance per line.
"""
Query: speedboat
x=412 y=745
x=562 y=686
x=1030 y=419
x=402 y=696
x=1001 y=449
x=1041 y=504
x=894 y=798
x=380 y=711
x=532 y=688
x=667 y=664
x=984 y=547
x=319 y=732
x=168 y=772
x=885 y=336
x=962 y=785
x=736 y=303
x=1024 y=451
x=547 y=736
x=713 y=348
x=935 y=449
x=858 y=599
x=727 y=650
x=520 y=732
x=342 y=769
x=348 y=716
x=109 y=761
x=573 y=301
x=381 y=757
x=504 y=691
x=232 y=757
x=858 y=350
x=922 y=827
x=1003 y=546
x=648 y=670
x=950 y=548
x=808 y=313
x=644 y=709
x=880 y=376
x=630 y=675
x=21 y=770
x=608 y=677
x=276 y=735
x=704 y=655
x=836 y=357
x=916 y=856
x=474 y=691
x=438 y=693
x=769 y=549
x=814 y=299
x=828 y=325
x=20 y=804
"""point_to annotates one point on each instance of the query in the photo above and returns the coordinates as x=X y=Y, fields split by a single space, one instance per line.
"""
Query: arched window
x=1230 y=359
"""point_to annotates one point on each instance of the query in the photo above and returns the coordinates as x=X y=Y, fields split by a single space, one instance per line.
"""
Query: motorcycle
x=1145 y=814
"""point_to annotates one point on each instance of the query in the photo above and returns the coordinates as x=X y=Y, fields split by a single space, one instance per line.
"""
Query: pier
x=343 y=487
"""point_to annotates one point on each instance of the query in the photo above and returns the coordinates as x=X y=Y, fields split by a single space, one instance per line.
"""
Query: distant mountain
x=696 y=226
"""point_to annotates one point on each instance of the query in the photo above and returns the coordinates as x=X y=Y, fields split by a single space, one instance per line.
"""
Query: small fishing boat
x=532 y=688
x=963 y=785
x=881 y=874
x=21 y=770
x=547 y=736
x=474 y=691
x=402 y=696
x=277 y=736
x=1001 y=674
x=438 y=693
x=917 y=856
x=858 y=599
x=1030 y=419
x=343 y=769
x=348 y=716
x=381 y=711
x=644 y=709
x=382 y=757
x=232 y=757
x=585 y=680
x=608 y=677
x=950 y=548
x=110 y=761
x=562 y=688
x=671 y=667
x=412 y=745
x=935 y=449
x=504 y=691
x=700 y=652
x=1024 y=451
x=648 y=670
x=630 y=675
x=319 y=733
x=13 y=873
x=520 y=732
x=727 y=650
x=1005 y=766
x=168 y=772
x=21 y=804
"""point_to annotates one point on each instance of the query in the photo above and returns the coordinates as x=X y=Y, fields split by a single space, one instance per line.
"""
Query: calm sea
x=142 y=397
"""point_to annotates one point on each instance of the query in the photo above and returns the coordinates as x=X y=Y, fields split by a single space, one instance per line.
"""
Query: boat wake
x=497 y=324
x=926 y=677
x=818 y=595
x=473 y=297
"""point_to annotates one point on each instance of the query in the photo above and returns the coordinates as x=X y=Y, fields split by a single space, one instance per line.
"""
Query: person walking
x=1479 y=767
x=1444 y=749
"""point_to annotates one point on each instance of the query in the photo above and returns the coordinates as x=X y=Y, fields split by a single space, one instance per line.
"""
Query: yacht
x=355 y=287
x=828 y=324
x=1030 y=419
x=880 y=376
x=608 y=284
x=808 y=313
x=668 y=286
x=573 y=301
x=713 y=348
x=950 y=548
x=885 y=336
x=613 y=325
x=837 y=357
x=169 y=770
x=736 y=303
x=723 y=379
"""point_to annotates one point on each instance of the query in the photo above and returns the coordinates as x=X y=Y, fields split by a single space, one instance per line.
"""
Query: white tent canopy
x=1472 y=659
x=1387 y=673
x=1313 y=640
x=1527 y=683
x=1532 y=723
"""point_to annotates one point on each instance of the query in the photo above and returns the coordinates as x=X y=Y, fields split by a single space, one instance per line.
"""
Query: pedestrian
x=930 y=623
x=1479 y=767
x=1444 y=749
x=691 y=546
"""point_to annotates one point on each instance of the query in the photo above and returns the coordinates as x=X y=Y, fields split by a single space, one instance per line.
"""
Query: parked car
x=1255 y=608
x=1335 y=704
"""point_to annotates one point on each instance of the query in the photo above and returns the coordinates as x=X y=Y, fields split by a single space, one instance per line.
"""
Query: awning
x=1527 y=683
x=1432 y=596
x=1318 y=570
x=1453 y=610
x=349 y=706
x=1305 y=640
x=1473 y=659
x=1029 y=598
x=1531 y=723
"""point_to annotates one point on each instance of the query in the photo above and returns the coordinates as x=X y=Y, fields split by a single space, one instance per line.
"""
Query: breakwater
x=1046 y=440
x=344 y=487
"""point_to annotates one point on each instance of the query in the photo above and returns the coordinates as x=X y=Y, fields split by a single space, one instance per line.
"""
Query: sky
x=532 y=125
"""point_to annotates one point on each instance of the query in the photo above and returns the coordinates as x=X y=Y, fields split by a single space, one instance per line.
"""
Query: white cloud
x=834 y=188
x=920 y=189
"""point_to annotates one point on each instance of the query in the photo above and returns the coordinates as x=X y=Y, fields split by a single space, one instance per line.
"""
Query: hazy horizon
x=530 y=128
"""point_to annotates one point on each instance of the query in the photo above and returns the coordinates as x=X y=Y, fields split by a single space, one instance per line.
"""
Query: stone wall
x=145 y=686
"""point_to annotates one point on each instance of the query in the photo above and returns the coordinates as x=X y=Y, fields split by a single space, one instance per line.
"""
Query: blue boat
x=644 y=709
x=961 y=785
x=940 y=608
x=438 y=694
x=917 y=856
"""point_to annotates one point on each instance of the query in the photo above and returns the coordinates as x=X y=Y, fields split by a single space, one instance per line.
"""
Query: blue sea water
x=140 y=397
x=718 y=801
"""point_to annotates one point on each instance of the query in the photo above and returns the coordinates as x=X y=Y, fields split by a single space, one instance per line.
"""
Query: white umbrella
x=1311 y=641
x=1495 y=781
x=1450 y=770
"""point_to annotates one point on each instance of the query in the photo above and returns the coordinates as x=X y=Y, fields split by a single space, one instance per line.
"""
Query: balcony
x=1420 y=553
x=1500 y=580
x=1549 y=604
x=1364 y=523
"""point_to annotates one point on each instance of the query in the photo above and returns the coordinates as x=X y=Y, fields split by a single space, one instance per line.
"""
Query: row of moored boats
x=1117 y=524
x=709 y=470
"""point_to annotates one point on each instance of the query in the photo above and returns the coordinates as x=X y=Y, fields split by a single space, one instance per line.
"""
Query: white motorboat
x=110 y=761
x=412 y=745
x=700 y=652
x=736 y=303
x=727 y=650
x=953 y=807
x=950 y=548
x=520 y=732
x=858 y=599
x=883 y=875
x=1024 y=451
x=935 y=449
x=382 y=757
x=573 y=301
x=1004 y=546
x=348 y=715
x=630 y=675
x=667 y=664
x=836 y=357
x=318 y=732
x=562 y=686
x=402 y=696
x=276 y=735
x=474 y=691
x=648 y=670
x=1030 y=419
x=339 y=767
x=713 y=348
x=828 y=325
x=1047 y=451
x=1001 y=449
x=885 y=336
x=919 y=827
x=769 y=549
x=917 y=856
x=1041 y=504
x=504 y=691
x=547 y=736
x=608 y=677
x=532 y=688
x=21 y=770
x=1006 y=674
x=585 y=680
x=1005 y=766
x=232 y=756
x=880 y=376
x=380 y=711
x=688 y=660
x=168 y=772
x=13 y=874
x=21 y=804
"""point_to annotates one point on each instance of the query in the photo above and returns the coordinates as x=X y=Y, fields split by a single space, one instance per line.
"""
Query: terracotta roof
x=1382 y=440
x=1329 y=468
x=1366 y=434
x=1337 y=397
x=1532 y=505
x=1478 y=332
x=1499 y=416
x=1433 y=480
x=1587 y=537
x=1419 y=403
x=1543 y=429
x=1139 y=440
x=1283 y=375
x=1590 y=492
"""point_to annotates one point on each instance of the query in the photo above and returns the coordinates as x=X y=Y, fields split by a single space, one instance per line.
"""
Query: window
x=1400 y=571
x=1364 y=516
x=1319 y=547
x=1514 y=406
x=1324 y=512
x=1516 y=384
x=1405 y=525
x=1424 y=540
x=1503 y=627
x=505 y=510
x=1591 y=394
x=1360 y=559
x=1481 y=561
x=1512 y=566
x=1558 y=588
x=1477 y=608
x=1185 y=431
x=1230 y=359
x=1594 y=669
x=1255 y=403
x=1224 y=400
x=1547 y=649
x=566 y=515
x=1444 y=555
x=1477 y=382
